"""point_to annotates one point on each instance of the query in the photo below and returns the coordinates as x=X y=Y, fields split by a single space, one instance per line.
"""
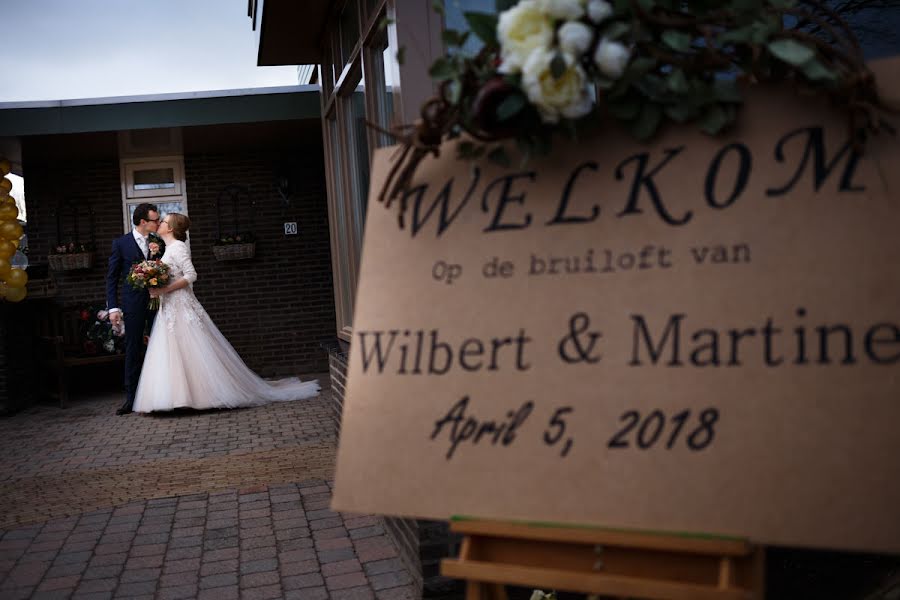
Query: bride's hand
x=156 y=292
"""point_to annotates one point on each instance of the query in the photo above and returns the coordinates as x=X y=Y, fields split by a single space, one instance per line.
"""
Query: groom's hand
x=115 y=318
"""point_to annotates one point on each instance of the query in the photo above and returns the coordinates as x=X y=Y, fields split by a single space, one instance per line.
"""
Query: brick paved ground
x=229 y=504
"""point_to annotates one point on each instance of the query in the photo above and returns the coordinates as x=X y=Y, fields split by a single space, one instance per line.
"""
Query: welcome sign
x=702 y=334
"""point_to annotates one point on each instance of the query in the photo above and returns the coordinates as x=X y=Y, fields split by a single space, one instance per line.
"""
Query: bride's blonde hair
x=180 y=224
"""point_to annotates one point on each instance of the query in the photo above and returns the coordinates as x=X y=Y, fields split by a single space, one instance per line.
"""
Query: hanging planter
x=71 y=261
x=240 y=243
x=235 y=251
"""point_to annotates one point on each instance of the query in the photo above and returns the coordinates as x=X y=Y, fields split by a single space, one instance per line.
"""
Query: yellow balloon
x=7 y=249
x=5 y=268
x=8 y=201
x=11 y=231
x=8 y=213
x=5 y=166
x=16 y=294
x=5 y=185
x=17 y=278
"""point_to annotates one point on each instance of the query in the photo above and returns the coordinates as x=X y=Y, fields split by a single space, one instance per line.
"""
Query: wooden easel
x=605 y=562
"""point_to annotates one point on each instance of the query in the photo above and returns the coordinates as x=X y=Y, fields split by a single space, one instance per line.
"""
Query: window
x=158 y=180
x=357 y=67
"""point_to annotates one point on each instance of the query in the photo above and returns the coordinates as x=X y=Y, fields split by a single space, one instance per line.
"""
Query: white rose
x=599 y=10
x=575 y=37
x=522 y=29
x=563 y=9
x=611 y=57
x=567 y=96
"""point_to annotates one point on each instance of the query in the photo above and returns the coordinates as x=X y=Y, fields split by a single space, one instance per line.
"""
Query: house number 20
x=290 y=228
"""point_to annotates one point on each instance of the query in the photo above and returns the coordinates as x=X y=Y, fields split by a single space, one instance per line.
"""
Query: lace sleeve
x=184 y=259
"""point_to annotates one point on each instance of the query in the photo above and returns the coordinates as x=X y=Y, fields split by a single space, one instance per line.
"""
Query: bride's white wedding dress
x=190 y=364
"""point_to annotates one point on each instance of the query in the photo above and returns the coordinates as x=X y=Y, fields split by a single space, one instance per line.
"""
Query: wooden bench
x=60 y=331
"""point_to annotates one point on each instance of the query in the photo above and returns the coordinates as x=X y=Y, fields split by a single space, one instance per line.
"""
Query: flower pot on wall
x=235 y=251
x=71 y=261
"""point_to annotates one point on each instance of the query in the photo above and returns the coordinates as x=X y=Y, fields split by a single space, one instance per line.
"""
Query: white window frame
x=129 y=166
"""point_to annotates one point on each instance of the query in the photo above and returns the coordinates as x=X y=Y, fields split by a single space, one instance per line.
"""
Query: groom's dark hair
x=142 y=212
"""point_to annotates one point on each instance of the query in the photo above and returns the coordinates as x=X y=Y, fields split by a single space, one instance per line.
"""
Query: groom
x=131 y=248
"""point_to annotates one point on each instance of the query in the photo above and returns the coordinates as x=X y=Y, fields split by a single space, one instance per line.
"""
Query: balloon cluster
x=13 y=261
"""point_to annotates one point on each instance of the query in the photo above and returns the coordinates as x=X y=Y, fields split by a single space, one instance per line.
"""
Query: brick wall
x=276 y=309
x=421 y=544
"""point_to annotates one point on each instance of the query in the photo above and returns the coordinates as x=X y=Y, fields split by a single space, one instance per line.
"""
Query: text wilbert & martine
x=677 y=340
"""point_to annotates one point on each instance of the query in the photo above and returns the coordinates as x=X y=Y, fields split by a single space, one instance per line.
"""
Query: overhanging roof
x=159 y=110
x=288 y=32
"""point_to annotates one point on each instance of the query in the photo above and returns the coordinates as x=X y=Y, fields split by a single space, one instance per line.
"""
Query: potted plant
x=71 y=256
x=235 y=246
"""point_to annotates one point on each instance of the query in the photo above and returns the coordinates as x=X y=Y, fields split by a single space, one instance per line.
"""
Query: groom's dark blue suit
x=126 y=252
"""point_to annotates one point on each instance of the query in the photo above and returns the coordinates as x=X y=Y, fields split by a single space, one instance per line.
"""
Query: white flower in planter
x=563 y=9
x=599 y=10
x=575 y=37
x=520 y=30
x=566 y=96
x=612 y=58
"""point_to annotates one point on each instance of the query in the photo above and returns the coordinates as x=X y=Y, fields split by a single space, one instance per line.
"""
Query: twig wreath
x=558 y=66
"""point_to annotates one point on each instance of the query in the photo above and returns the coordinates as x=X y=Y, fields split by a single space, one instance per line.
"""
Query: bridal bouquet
x=149 y=274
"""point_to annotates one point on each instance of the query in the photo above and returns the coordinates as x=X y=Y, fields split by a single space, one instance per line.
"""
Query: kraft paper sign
x=696 y=335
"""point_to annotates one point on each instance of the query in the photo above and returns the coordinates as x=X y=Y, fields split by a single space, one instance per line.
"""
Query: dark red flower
x=85 y=314
x=89 y=347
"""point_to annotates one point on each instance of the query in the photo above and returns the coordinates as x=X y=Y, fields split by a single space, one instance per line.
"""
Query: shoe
x=122 y=411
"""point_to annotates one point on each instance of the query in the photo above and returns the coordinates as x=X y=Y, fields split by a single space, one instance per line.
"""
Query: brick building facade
x=277 y=309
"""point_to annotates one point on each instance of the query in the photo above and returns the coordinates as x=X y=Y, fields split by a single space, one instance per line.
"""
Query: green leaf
x=714 y=120
x=639 y=66
x=680 y=113
x=791 y=51
x=401 y=55
x=510 y=106
x=624 y=111
x=442 y=69
x=483 y=25
x=452 y=37
x=816 y=71
x=782 y=4
x=677 y=40
x=677 y=82
x=384 y=22
x=502 y=5
x=616 y=30
x=604 y=83
x=499 y=156
x=741 y=35
x=438 y=6
x=647 y=122
x=558 y=66
x=727 y=90
x=454 y=91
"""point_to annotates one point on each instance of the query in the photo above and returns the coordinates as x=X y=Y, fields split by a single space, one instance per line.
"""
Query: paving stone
x=63 y=570
x=302 y=581
x=178 y=579
x=177 y=593
x=259 y=579
x=299 y=568
x=220 y=554
x=135 y=575
x=221 y=566
x=387 y=565
x=211 y=581
x=389 y=580
x=231 y=592
x=314 y=593
x=340 y=567
x=136 y=589
x=329 y=556
x=345 y=580
x=98 y=585
x=59 y=583
x=357 y=593
x=257 y=566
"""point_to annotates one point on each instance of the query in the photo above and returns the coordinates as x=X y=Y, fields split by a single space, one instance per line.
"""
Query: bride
x=189 y=363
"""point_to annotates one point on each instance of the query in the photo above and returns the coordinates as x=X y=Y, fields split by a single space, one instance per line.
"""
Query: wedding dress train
x=190 y=364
